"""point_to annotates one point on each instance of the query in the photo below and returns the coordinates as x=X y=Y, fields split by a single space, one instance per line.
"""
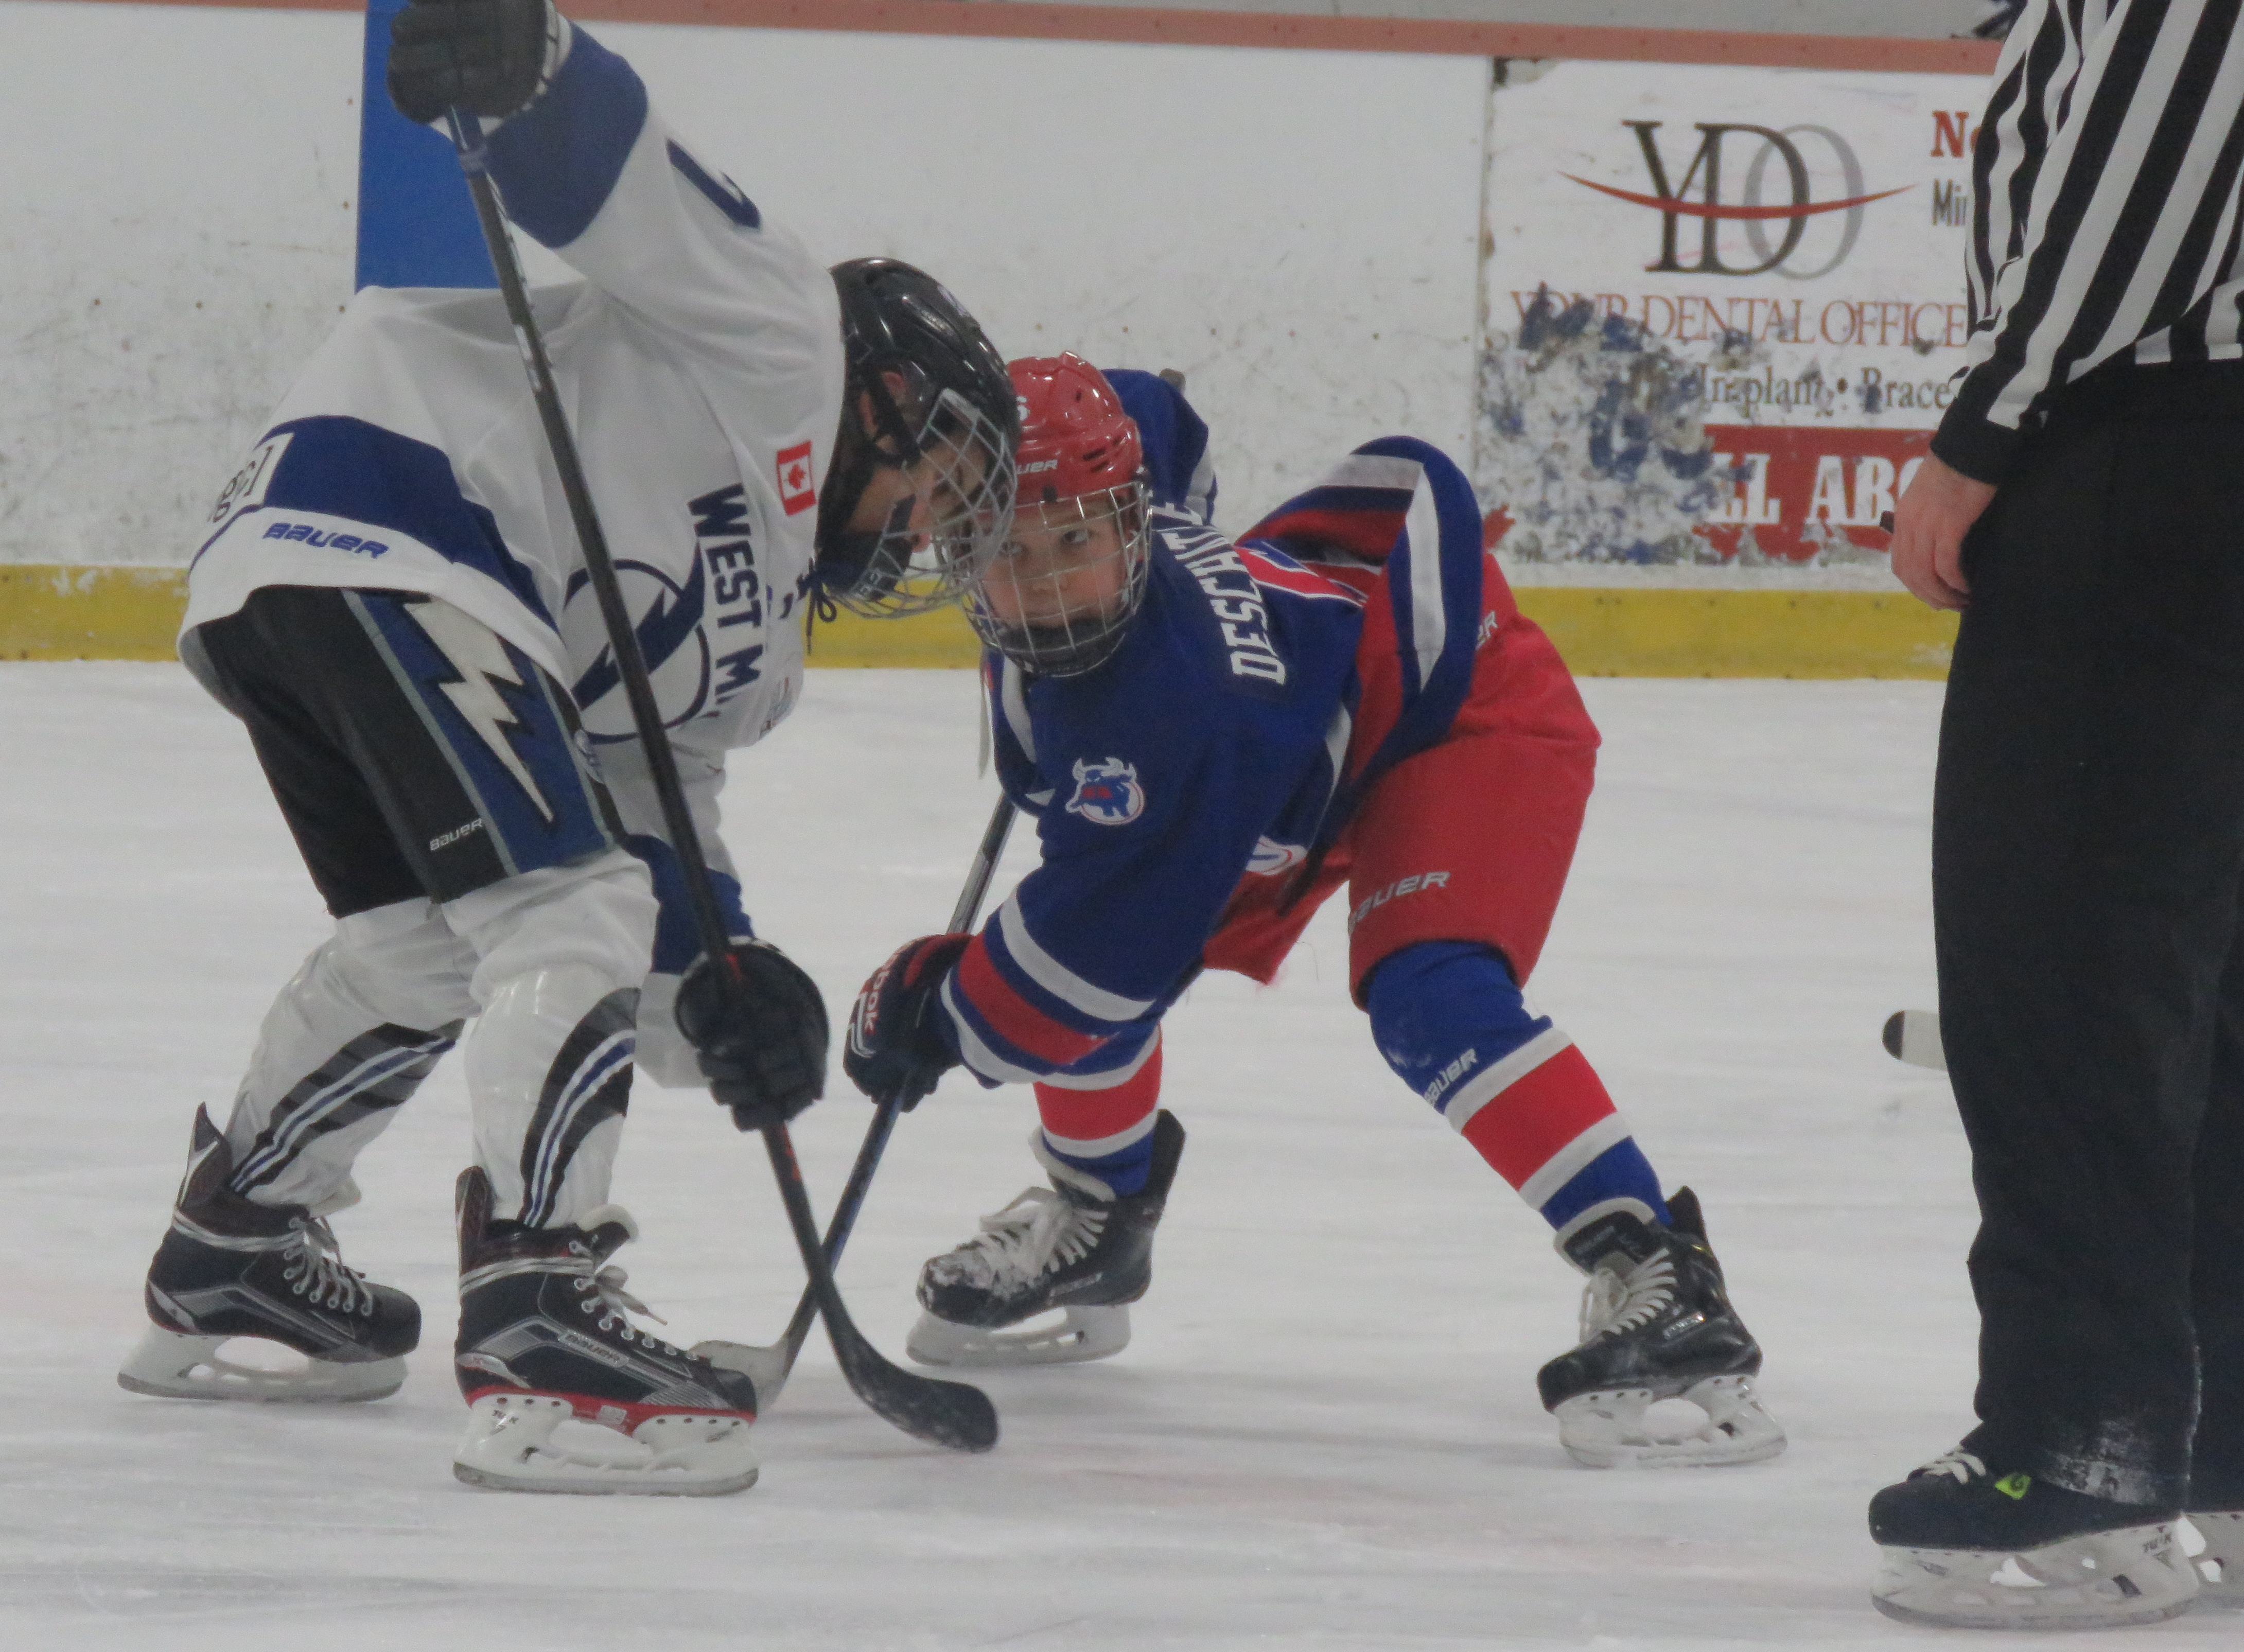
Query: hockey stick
x=947 y=1414
x=769 y=1368
x=1913 y=1035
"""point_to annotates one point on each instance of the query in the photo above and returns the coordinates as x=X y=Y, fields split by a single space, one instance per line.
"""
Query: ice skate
x=546 y=1344
x=230 y=1268
x=1656 y=1325
x=2221 y=1565
x=1964 y=1548
x=1072 y=1249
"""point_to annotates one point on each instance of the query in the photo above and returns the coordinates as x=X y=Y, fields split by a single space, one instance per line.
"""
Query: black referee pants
x=2088 y=858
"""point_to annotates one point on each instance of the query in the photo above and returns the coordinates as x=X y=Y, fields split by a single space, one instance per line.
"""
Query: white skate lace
x=606 y=1296
x=1039 y=1232
x=316 y=1271
x=1960 y=1463
x=1616 y=1302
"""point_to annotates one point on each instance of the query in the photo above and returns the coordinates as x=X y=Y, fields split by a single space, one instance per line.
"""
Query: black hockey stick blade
x=941 y=1412
x=1913 y=1035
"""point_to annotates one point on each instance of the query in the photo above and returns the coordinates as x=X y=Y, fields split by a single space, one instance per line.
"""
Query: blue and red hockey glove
x=897 y=1045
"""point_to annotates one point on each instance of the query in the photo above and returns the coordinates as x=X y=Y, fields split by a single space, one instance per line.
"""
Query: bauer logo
x=1107 y=793
x=304 y=533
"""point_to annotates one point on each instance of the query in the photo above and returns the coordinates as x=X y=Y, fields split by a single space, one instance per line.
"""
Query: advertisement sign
x=1724 y=308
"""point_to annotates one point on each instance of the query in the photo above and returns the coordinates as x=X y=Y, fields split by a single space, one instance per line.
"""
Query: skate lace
x=316 y=1272
x=1036 y=1234
x=604 y=1293
x=1613 y=1301
x=1960 y=1463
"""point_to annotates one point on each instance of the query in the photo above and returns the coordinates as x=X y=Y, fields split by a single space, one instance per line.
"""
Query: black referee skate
x=230 y=1267
x=1967 y=1547
x=1656 y=1325
x=1072 y=1247
x=544 y=1339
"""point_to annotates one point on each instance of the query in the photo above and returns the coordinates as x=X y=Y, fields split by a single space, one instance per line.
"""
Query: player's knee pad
x=347 y=1040
x=549 y=1070
x=597 y=916
x=400 y=964
x=1439 y=1003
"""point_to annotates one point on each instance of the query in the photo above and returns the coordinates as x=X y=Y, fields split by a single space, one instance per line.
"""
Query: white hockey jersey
x=699 y=364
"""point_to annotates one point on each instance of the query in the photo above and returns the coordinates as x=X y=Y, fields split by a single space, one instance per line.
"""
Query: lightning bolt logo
x=480 y=658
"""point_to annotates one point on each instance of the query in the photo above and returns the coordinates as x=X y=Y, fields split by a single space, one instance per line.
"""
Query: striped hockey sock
x=1107 y=1131
x=1451 y=1023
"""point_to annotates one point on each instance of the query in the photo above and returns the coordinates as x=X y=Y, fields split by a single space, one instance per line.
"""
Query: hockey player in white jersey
x=392 y=600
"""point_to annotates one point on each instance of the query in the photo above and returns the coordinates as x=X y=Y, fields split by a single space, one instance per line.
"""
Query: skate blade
x=510 y=1446
x=2220 y=1563
x=176 y=1365
x=1079 y=1334
x=2104 y=1580
x=1607 y=1428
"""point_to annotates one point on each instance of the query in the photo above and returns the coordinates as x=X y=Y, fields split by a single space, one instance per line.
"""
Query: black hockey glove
x=487 y=57
x=762 y=1041
x=896 y=1046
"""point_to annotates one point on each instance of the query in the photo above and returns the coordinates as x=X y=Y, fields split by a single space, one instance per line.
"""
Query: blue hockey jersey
x=1220 y=743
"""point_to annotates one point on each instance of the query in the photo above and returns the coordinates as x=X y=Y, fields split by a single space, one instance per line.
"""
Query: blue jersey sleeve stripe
x=558 y=161
x=677 y=935
x=344 y=467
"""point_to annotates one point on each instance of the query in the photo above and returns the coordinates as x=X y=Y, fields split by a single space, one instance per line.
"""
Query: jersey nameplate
x=1235 y=601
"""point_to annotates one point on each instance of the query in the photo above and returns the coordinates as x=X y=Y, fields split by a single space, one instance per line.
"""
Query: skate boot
x=1072 y=1247
x=544 y=1340
x=1656 y=1325
x=231 y=1268
x=1965 y=1548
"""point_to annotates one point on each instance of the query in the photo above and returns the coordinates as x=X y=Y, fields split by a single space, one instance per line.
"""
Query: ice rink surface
x=1325 y=1434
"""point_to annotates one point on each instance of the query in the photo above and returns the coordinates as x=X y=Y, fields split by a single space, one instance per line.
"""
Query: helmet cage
x=926 y=393
x=1065 y=619
x=952 y=521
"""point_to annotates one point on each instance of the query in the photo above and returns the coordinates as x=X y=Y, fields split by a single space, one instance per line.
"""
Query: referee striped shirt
x=2105 y=221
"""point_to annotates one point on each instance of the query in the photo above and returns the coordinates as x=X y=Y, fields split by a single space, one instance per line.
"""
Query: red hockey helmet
x=1058 y=596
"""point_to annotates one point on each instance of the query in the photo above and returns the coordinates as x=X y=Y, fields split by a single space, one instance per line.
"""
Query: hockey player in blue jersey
x=1213 y=736
x=392 y=600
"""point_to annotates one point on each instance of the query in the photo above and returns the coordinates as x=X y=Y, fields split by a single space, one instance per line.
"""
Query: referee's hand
x=1936 y=513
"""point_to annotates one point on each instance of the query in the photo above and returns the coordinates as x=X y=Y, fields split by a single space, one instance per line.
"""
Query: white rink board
x=1295 y=230
x=1325 y=1433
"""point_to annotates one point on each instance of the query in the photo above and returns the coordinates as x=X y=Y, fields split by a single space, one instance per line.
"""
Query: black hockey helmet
x=943 y=410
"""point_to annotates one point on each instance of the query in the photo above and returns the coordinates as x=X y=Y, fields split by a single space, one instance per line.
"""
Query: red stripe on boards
x=1155 y=25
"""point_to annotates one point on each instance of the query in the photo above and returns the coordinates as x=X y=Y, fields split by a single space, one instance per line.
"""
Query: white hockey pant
x=548 y=963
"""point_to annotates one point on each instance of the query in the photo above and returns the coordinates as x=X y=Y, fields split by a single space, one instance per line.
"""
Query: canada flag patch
x=1107 y=793
x=796 y=492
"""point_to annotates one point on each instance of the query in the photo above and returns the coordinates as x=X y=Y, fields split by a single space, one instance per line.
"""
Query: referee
x=2083 y=505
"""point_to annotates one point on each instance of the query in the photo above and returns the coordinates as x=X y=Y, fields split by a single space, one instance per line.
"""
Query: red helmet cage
x=1075 y=437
